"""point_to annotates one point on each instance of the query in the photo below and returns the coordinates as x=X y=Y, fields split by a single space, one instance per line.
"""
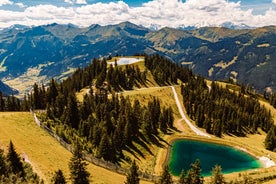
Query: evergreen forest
x=108 y=123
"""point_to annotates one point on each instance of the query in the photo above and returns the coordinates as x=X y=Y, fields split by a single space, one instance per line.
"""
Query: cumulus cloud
x=75 y=1
x=173 y=13
x=20 y=5
x=5 y=2
x=274 y=1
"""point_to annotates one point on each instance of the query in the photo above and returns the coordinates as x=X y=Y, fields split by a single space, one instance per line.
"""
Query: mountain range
x=37 y=54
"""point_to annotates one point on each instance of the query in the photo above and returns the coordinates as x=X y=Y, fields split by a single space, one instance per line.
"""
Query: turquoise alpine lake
x=185 y=152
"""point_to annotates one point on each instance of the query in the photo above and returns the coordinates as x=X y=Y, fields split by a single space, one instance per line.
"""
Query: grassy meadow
x=44 y=153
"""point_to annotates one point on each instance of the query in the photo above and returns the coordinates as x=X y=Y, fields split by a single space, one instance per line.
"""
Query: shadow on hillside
x=134 y=150
x=174 y=129
x=154 y=139
x=144 y=143
x=141 y=140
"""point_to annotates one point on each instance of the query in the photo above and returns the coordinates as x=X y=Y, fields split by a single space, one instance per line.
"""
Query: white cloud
x=274 y=1
x=20 y=5
x=75 y=1
x=5 y=2
x=173 y=13
x=68 y=1
x=81 y=2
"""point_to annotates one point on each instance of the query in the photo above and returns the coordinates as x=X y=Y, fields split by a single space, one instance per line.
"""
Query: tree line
x=14 y=170
x=165 y=71
x=115 y=77
x=193 y=176
x=11 y=103
x=107 y=123
x=220 y=111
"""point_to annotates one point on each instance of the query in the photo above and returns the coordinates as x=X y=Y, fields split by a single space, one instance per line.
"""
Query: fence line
x=88 y=157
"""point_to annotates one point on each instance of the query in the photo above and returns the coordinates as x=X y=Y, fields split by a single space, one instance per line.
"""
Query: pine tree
x=270 y=140
x=194 y=173
x=133 y=176
x=163 y=121
x=52 y=93
x=71 y=114
x=103 y=150
x=166 y=177
x=182 y=178
x=14 y=162
x=36 y=97
x=58 y=178
x=77 y=167
x=217 y=176
x=3 y=166
x=170 y=117
x=2 y=102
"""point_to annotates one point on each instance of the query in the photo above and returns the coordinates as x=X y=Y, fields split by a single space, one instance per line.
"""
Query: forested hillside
x=220 y=111
x=108 y=123
x=114 y=127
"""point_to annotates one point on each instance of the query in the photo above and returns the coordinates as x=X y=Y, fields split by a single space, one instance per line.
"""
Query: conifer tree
x=194 y=173
x=3 y=166
x=77 y=167
x=270 y=140
x=166 y=177
x=103 y=150
x=71 y=114
x=58 y=178
x=52 y=92
x=217 y=176
x=14 y=162
x=163 y=120
x=2 y=102
x=36 y=97
x=133 y=176
x=182 y=178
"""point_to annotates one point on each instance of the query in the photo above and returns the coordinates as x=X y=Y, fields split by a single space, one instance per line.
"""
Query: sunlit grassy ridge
x=45 y=154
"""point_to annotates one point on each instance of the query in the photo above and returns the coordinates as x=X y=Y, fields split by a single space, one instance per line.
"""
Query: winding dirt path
x=195 y=129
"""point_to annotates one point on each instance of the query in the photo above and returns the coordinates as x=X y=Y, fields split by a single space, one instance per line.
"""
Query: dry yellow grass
x=45 y=153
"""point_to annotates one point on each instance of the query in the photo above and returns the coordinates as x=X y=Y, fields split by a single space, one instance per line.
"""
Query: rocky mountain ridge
x=246 y=55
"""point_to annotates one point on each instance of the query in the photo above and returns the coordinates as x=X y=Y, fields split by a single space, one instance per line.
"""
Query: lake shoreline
x=163 y=154
x=232 y=159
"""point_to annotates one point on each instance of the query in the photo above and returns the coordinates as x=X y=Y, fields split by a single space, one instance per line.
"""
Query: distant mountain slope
x=247 y=55
x=7 y=90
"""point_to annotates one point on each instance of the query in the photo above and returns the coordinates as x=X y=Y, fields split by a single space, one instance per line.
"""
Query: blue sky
x=160 y=13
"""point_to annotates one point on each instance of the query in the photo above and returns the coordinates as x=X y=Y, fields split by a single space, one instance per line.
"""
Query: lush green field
x=45 y=154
